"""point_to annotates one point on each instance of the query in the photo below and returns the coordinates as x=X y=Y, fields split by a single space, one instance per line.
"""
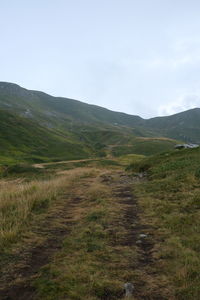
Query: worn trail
x=146 y=285
x=17 y=283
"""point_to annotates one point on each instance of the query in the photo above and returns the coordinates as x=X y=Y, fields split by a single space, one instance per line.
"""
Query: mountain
x=183 y=126
x=59 y=112
x=22 y=139
x=35 y=126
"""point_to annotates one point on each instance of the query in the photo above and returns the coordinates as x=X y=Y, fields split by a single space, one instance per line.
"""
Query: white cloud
x=180 y=104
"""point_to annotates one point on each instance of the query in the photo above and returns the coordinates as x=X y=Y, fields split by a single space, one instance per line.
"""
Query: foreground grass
x=90 y=266
x=21 y=201
x=171 y=201
x=83 y=217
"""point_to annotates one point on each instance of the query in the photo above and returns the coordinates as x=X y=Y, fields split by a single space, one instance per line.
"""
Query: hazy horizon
x=138 y=57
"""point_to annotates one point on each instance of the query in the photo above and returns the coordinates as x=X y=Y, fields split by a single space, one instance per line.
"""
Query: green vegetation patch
x=128 y=159
x=171 y=201
x=23 y=140
x=144 y=146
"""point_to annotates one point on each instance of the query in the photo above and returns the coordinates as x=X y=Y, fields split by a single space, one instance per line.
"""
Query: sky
x=141 y=57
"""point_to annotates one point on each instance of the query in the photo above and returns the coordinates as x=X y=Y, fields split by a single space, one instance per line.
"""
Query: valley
x=38 y=128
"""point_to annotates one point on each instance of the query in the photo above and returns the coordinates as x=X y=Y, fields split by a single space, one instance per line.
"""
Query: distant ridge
x=69 y=107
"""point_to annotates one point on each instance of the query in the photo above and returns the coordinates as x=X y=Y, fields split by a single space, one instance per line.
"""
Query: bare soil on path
x=148 y=284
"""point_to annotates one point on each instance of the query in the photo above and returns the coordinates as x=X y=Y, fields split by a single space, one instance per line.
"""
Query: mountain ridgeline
x=38 y=127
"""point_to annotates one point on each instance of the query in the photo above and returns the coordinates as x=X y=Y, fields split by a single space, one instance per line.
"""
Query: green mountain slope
x=171 y=202
x=183 y=126
x=64 y=113
x=44 y=127
x=24 y=140
x=57 y=111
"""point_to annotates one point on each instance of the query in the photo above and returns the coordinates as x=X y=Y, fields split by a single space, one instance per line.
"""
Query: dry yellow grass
x=19 y=200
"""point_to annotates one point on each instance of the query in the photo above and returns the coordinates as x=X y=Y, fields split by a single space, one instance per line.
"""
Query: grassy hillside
x=24 y=140
x=183 y=126
x=35 y=126
x=58 y=112
x=144 y=146
x=171 y=200
x=67 y=114
x=54 y=128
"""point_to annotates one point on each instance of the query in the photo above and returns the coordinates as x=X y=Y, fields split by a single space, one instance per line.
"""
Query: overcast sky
x=137 y=56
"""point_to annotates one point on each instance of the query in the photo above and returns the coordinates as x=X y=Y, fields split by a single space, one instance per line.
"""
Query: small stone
x=142 y=235
x=129 y=288
x=139 y=242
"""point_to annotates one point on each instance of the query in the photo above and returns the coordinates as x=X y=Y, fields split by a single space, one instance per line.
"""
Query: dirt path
x=148 y=285
x=16 y=284
x=42 y=165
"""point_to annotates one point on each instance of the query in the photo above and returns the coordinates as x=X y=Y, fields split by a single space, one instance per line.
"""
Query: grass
x=16 y=170
x=90 y=263
x=130 y=158
x=171 y=202
x=28 y=140
x=90 y=266
x=21 y=200
x=144 y=146
x=23 y=140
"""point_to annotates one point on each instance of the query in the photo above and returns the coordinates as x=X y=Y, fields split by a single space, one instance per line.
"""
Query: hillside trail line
x=42 y=165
